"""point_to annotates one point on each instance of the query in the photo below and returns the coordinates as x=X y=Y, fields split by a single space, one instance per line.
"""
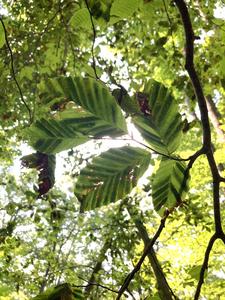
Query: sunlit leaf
x=95 y=114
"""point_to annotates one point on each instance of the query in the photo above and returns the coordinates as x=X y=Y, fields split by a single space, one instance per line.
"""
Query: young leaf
x=111 y=176
x=169 y=184
x=2 y=36
x=162 y=128
x=95 y=114
x=45 y=164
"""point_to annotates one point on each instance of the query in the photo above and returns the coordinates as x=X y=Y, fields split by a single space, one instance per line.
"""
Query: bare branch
x=204 y=266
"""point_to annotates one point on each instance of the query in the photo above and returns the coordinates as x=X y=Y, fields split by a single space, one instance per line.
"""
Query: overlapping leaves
x=95 y=114
x=111 y=176
x=169 y=184
x=162 y=127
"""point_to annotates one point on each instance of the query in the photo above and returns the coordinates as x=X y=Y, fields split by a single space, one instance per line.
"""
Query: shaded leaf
x=60 y=292
x=162 y=126
x=111 y=176
x=194 y=272
x=122 y=9
x=169 y=184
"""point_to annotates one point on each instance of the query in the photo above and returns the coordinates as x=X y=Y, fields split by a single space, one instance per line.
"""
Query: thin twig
x=193 y=156
x=141 y=260
x=13 y=71
x=171 y=30
x=93 y=41
x=132 y=296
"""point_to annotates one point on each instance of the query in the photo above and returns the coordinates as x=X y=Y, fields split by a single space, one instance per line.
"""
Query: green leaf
x=122 y=9
x=2 y=36
x=111 y=176
x=162 y=129
x=194 y=272
x=95 y=114
x=81 y=18
x=169 y=184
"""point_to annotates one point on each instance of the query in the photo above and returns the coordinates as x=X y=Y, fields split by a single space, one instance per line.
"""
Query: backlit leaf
x=162 y=128
x=111 y=176
x=94 y=114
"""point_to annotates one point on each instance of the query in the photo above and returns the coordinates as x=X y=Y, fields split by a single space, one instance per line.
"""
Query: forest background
x=112 y=149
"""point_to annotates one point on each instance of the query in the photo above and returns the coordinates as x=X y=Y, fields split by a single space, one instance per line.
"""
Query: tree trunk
x=97 y=268
x=214 y=116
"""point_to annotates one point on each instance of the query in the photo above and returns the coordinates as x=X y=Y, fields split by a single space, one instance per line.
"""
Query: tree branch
x=189 y=66
x=93 y=41
x=215 y=116
x=97 y=267
x=141 y=260
x=207 y=149
x=13 y=71
x=204 y=266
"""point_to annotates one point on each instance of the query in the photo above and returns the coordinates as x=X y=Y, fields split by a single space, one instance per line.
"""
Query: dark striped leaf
x=162 y=128
x=111 y=176
x=95 y=114
x=169 y=184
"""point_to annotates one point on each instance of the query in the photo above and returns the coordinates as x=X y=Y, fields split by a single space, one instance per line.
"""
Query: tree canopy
x=112 y=149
